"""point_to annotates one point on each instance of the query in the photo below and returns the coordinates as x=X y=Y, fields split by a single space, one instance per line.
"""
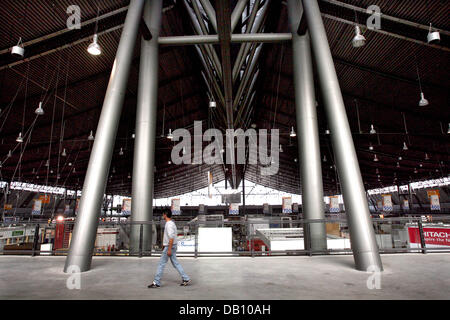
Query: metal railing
x=249 y=238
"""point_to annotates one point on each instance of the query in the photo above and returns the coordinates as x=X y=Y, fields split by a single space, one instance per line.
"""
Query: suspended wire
x=53 y=121
x=278 y=85
x=62 y=118
x=27 y=141
x=9 y=107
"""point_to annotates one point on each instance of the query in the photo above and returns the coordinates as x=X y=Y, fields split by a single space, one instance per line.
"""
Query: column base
x=81 y=263
x=367 y=261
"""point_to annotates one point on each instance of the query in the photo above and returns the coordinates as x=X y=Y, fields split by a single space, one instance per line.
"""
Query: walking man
x=169 y=251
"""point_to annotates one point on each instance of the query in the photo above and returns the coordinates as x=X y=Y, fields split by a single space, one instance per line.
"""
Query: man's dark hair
x=168 y=213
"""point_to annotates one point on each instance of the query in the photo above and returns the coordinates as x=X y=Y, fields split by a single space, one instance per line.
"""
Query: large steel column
x=307 y=134
x=146 y=115
x=85 y=231
x=362 y=235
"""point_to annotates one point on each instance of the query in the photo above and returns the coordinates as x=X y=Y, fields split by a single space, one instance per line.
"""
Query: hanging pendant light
x=448 y=130
x=292 y=134
x=281 y=148
x=358 y=40
x=70 y=164
x=39 y=111
x=170 y=135
x=9 y=154
x=405 y=147
x=94 y=48
x=19 y=138
x=427 y=157
x=212 y=104
x=433 y=36
x=64 y=154
x=47 y=163
x=18 y=50
x=370 y=147
x=423 y=102
x=375 y=158
x=121 y=152
x=91 y=136
x=400 y=158
x=295 y=160
x=324 y=158
x=129 y=176
x=398 y=164
x=372 y=129
x=415 y=170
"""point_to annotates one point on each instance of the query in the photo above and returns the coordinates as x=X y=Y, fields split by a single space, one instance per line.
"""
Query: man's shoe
x=153 y=285
x=185 y=283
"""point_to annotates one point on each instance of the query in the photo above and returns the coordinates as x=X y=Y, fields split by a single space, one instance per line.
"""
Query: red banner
x=433 y=236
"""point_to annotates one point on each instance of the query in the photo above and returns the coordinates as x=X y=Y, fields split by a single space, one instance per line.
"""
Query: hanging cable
x=53 y=122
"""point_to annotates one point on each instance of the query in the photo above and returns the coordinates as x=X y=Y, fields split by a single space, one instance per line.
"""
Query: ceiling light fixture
x=292 y=134
x=212 y=104
x=372 y=129
x=370 y=147
x=170 y=135
x=64 y=154
x=375 y=158
x=18 y=49
x=433 y=36
x=19 y=138
x=358 y=40
x=405 y=147
x=94 y=48
x=91 y=136
x=121 y=152
x=423 y=102
x=39 y=111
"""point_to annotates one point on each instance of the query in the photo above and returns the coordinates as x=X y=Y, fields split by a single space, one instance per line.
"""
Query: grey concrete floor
x=406 y=276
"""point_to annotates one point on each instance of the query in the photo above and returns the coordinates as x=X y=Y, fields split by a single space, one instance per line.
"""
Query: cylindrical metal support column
x=307 y=135
x=85 y=231
x=146 y=115
x=362 y=235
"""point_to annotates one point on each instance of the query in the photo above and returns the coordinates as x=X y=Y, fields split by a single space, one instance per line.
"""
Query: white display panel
x=215 y=240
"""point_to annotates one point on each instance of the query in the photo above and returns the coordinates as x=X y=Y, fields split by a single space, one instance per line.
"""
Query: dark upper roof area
x=379 y=83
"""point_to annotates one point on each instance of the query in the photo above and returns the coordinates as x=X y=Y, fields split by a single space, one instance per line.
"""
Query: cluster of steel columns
x=362 y=235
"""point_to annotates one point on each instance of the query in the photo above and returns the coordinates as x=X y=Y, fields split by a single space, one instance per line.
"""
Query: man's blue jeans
x=162 y=263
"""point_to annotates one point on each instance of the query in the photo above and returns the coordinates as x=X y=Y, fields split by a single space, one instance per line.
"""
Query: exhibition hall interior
x=301 y=147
